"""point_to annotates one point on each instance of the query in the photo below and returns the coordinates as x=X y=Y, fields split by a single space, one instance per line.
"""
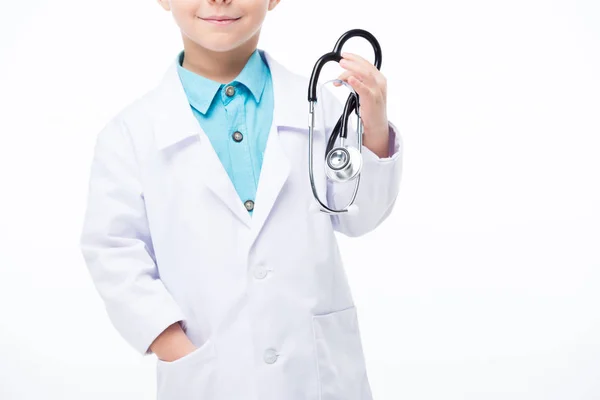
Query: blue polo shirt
x=236 y=117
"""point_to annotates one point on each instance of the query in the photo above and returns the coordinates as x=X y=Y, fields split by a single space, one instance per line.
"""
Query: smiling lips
x=220 y=20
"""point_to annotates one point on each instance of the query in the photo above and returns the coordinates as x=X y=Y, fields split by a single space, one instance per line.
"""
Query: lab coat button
x=270 y=356
x=249 y=204
x=237 y=136
x=229 y=91
x=260 y=272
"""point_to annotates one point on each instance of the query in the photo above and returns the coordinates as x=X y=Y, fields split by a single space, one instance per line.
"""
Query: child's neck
x=222 y=67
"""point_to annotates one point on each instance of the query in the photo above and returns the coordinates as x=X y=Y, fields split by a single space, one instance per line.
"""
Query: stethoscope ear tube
x=336 y=55
x=364 y=34
x=341 y=126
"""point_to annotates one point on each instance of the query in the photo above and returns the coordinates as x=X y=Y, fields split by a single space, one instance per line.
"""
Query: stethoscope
x=343 y=163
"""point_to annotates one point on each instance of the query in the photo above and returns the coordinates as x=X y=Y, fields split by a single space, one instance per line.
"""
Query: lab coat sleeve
x=117 y=246
x=378 y=189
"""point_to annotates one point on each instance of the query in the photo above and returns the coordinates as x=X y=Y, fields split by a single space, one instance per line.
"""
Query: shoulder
x=140 y=113
x=282 y=73
x=132 y=126
x=140 y=109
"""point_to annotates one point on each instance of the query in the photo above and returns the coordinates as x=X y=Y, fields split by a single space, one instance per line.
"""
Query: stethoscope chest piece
x=343 y=164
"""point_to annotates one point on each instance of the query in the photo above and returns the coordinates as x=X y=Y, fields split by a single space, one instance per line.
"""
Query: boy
x=237 y=288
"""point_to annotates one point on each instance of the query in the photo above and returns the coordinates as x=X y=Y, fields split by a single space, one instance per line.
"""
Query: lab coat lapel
x=276 y=166
x=274 y=173
x=175 y=125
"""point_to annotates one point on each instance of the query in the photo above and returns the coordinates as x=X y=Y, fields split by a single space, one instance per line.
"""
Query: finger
x=359 y=87
x=361 y=60
x=364 y=73
x=343 y=77
x=378 y=76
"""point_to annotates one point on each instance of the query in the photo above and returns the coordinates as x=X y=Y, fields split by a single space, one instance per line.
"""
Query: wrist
x=377 y=140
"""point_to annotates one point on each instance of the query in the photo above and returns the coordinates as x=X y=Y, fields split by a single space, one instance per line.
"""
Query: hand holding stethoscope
x=368 y=98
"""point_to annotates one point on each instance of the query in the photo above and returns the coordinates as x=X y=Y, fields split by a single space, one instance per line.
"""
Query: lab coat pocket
x=340 y=359
x=189 y=377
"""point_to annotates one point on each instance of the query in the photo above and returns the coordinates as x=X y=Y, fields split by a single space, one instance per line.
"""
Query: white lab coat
x=264 y=298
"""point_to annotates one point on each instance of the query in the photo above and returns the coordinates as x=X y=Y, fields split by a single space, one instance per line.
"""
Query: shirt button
x=270 y=356
x=249 y=204
x=260 y=272
x=237 y=136
x=230 y=91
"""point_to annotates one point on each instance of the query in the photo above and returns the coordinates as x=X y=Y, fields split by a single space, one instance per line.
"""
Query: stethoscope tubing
x=341 y=128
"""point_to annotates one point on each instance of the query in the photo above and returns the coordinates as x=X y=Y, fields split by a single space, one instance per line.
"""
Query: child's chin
x=219 y=43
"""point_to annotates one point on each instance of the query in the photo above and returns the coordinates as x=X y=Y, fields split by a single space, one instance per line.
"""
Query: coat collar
x=174 y=121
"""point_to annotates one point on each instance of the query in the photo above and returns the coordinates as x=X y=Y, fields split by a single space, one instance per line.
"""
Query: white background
x=482 y=284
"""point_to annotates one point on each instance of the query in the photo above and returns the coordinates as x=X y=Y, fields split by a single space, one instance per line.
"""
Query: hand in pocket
x=179 y=352
x=172 y=344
